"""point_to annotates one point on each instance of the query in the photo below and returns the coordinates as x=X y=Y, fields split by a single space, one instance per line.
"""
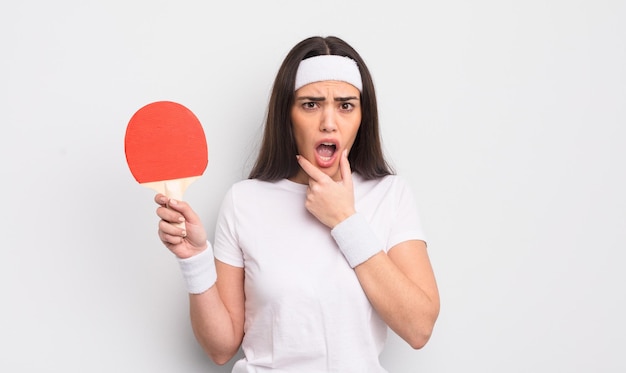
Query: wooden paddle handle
x=175 y=189
x=172 y=189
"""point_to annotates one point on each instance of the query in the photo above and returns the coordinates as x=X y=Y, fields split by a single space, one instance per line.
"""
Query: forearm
x=213 y=326
x=216 y=303
x=409 y=306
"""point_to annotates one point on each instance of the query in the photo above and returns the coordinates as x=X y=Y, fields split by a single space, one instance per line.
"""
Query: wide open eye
x=346 y=106
x=309 y=105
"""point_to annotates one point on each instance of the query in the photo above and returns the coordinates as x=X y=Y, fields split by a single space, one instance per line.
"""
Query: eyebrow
x=319 y=99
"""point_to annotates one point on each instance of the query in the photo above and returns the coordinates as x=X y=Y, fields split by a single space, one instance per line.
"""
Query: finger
x=185 y=210
x=344 y=167
x=170 y=233
x=170 y=216
x=168 y=239
x=160 y=199
x=313 y=172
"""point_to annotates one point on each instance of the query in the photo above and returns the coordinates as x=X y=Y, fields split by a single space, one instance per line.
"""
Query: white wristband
x=356 y=239
x=199 y=271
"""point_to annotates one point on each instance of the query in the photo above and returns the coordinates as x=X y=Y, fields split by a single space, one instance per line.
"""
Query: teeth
x=326 y=150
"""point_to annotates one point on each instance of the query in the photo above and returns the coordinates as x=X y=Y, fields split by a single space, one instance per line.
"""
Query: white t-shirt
x=305 y=310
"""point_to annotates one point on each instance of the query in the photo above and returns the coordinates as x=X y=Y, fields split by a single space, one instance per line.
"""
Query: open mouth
x=326 y=151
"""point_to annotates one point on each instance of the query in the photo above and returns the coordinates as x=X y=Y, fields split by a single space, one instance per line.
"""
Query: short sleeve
x=407 y=224
x=226 y=247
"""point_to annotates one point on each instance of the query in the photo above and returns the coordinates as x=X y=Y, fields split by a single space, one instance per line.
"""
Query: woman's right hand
x=180 y=228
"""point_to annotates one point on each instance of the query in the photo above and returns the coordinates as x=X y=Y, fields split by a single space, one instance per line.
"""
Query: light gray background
x=507 y=117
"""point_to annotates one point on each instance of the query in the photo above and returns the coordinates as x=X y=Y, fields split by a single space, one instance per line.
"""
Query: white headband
x=328 y=67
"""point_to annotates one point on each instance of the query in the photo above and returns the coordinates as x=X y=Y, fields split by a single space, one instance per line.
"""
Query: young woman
x=321 y=249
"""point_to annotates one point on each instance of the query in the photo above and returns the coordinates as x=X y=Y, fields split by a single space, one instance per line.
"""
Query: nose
x=328 y=121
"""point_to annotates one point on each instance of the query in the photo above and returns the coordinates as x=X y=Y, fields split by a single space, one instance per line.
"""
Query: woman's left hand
x=330 y=201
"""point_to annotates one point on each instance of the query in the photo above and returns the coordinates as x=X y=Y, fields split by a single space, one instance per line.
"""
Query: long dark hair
x=277 y=156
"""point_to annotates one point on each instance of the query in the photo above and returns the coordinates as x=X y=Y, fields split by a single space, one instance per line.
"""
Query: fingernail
x=173 y=202
x=181 y=219
x=297 y=156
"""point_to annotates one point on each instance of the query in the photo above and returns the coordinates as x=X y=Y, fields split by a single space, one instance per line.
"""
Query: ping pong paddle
x=166 y=148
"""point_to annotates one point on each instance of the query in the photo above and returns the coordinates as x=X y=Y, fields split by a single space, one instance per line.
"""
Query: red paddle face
x=165 y=144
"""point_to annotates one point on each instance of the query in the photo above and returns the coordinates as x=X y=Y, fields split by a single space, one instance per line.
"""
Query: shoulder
x=246 y=185
x=255 y=191
x=259 y=186
x=240 y=189
x=384 y=184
